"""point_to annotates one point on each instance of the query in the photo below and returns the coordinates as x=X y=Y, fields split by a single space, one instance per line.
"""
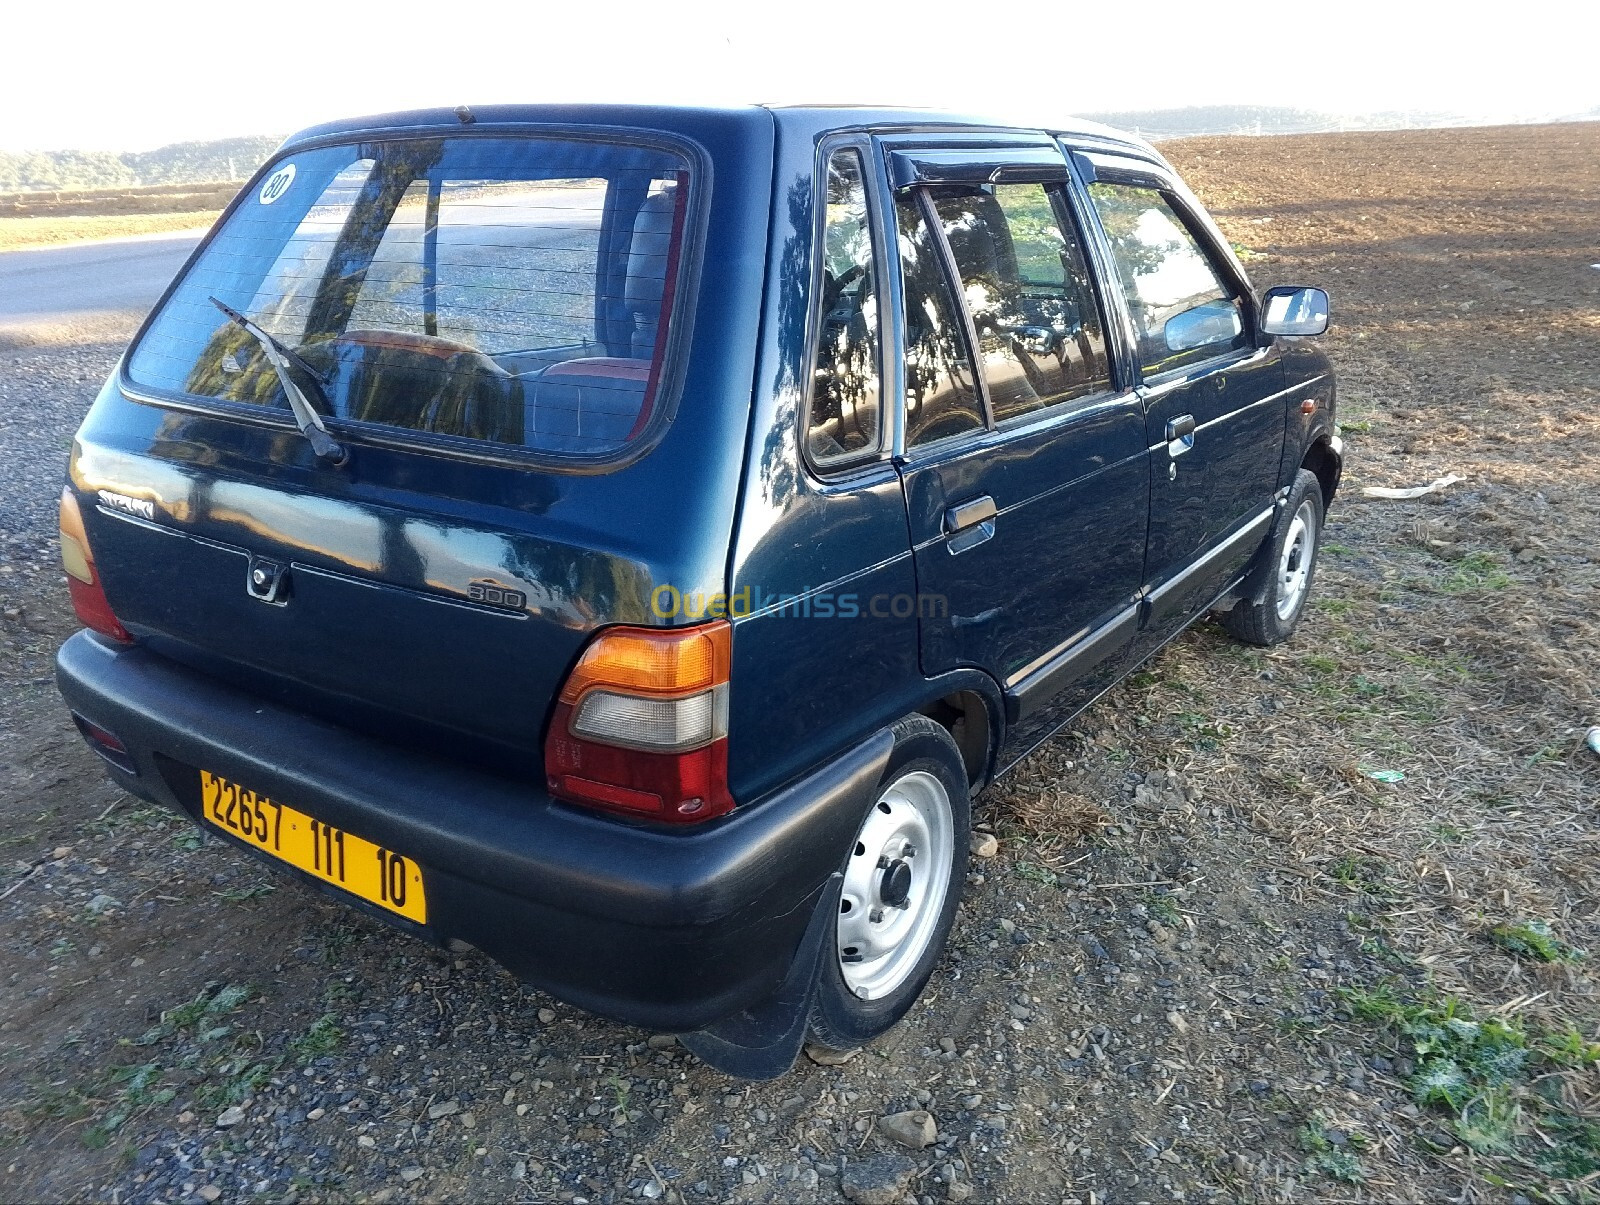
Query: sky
x=134 y=75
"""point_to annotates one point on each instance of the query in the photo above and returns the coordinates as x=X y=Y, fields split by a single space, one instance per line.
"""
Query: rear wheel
x=1291 y=564
x=902 y=883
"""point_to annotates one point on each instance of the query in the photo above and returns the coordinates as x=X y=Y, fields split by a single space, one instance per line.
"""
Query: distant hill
x=236 y=158
x=180 y=163
x=1199 y=120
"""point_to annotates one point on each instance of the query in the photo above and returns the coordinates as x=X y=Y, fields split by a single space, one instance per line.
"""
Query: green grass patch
x=1494 y=1077
x=58 y=1102
x=1477 y=571
x=1161 y=908
x=1329 y=1153
x=1533 y=939
x=236 y=1079
x=324 y=1037
x=1036 y=874
x=137 y=1088
x=148 y=817
x=1360 y=874
x=1203 y=731
x=211 y=1004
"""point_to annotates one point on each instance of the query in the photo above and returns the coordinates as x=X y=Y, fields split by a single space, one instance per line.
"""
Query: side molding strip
x=1158 y=600
x=1036 y=684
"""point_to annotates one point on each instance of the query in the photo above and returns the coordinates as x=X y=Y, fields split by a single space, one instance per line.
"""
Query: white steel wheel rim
x=1294 y=565
x=895 y=885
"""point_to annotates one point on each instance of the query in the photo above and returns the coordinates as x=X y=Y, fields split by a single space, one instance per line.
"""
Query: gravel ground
x=44 y=392
x=1211 y=958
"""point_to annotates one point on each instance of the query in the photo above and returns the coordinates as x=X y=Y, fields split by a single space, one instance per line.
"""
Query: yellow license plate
x=379 y=876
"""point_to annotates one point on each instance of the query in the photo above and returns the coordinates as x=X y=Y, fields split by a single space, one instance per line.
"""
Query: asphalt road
x=84 y=290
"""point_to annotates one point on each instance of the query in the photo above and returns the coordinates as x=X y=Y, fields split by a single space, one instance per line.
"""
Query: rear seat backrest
x=647 y=267
x=592 y=404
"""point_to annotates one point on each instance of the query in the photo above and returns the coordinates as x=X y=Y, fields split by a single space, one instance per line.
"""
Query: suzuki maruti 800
x=623 y=539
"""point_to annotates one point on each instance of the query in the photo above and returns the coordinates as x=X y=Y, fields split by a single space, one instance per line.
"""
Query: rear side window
x=940 y=386
x=845 y=406
x=1183 y=309
x=513 y=291
x=1028 y=291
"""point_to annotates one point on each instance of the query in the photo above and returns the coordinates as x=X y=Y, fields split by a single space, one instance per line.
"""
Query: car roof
x=800 y=119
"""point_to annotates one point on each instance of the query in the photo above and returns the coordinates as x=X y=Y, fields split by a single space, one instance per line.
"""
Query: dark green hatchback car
x=624 y=539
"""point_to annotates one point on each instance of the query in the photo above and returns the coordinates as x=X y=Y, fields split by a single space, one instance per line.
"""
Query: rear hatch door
x=488 y=324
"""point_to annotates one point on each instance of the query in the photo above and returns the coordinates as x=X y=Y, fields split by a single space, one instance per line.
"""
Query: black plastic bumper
x=672 y=930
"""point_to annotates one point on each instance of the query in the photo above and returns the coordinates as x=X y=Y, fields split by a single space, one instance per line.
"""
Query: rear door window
x=1028 y=291
x=941 y=389
x=512 y=291
x=1184 y=310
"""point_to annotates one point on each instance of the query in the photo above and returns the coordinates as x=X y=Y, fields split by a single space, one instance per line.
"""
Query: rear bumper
x=670 y=930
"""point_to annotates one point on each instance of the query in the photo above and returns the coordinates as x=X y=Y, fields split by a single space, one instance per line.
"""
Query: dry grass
x=19 y=233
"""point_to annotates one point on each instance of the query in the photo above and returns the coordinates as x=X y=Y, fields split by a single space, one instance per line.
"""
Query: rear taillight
x=83 y=583
x=641 y=726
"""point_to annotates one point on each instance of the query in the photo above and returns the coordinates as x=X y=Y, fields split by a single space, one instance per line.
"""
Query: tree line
x=180 y=163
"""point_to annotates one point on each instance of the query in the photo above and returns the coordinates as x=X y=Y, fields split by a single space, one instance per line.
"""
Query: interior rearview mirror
x=1293 y=310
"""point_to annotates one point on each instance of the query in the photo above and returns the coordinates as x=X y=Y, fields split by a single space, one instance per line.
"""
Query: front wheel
x=902 y=882
x=1291 y=564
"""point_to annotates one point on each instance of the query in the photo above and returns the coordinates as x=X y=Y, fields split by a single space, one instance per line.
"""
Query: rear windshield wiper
x=305 y=417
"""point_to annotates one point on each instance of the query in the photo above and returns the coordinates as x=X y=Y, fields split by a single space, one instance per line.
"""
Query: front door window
x=1183 y=309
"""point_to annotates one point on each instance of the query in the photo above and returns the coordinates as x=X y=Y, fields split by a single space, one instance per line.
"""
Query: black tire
x=1284 y=593
x=840 y=1018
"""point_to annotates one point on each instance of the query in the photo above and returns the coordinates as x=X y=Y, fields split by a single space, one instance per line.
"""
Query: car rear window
x=512 y=291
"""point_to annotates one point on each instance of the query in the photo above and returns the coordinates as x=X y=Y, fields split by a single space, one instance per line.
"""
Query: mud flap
x=763 y=1042
x=1258 y=578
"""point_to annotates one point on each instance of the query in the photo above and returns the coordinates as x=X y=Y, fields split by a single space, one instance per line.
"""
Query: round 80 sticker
x=277 y=184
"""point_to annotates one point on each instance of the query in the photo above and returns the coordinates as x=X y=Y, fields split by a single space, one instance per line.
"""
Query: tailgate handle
x=970 y=523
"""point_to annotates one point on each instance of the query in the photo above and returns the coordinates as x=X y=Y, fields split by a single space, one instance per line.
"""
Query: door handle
x=966 y=514
x=1180 y=435
x=969 y=523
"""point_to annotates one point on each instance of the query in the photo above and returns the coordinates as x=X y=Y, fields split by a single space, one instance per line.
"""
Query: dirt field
x=1219 y=956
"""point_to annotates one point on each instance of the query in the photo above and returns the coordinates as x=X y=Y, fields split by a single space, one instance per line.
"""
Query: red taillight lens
x=642 y=725
x=83 y=583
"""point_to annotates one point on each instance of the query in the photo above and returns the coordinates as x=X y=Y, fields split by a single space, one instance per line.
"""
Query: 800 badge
x=493 y=594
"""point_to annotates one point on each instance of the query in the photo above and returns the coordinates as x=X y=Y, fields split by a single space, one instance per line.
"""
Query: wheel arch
x=1324 y=458
x=970 y=706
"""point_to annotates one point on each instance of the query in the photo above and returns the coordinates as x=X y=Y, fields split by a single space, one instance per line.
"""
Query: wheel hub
x=894 y=888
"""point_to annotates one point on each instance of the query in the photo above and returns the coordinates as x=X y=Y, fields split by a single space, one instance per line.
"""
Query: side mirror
x=1291 y=310
x=1212 y=322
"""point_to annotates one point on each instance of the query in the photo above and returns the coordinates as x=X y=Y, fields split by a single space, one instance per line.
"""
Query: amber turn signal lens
x=653 y=661
x=83 y=583
x=74 y=543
